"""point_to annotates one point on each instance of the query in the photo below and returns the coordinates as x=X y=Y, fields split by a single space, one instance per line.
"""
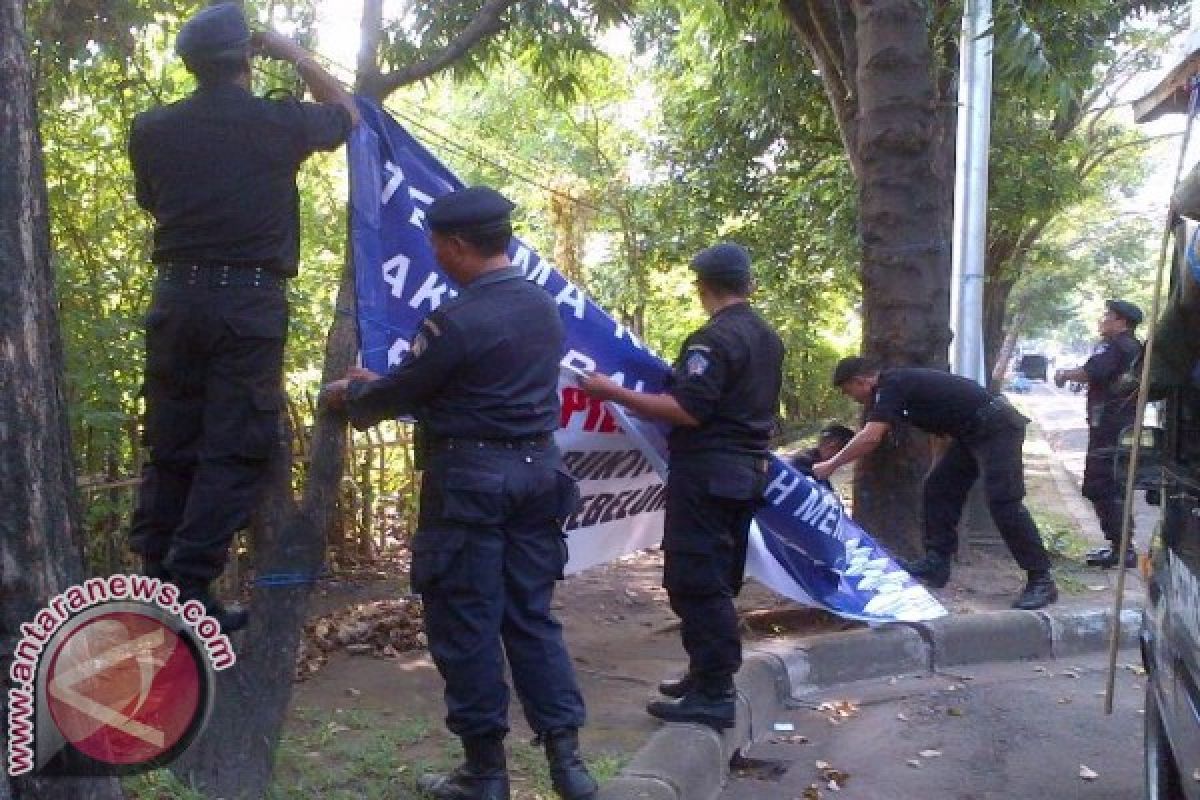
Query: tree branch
x=485 y=24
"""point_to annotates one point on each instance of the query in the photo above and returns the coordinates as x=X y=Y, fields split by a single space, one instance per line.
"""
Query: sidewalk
x=682 y=762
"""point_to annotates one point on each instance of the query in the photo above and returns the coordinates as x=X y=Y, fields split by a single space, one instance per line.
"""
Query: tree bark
x=39 y=536
x=896 y=118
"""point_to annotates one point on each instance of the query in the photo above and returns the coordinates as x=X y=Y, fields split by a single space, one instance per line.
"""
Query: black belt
x=540 y=442
x=225 y=276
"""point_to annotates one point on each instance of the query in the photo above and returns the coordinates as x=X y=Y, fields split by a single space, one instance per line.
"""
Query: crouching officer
x=482 y=379
x=217 y=170
x=1111 y=407
x=830 y=440
x=988 y=435
x=723 y=401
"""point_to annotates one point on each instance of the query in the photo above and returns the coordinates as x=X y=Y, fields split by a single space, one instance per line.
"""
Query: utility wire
x=466 y=151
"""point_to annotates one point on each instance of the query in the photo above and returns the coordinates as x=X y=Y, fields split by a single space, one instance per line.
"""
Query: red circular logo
x=124 y=688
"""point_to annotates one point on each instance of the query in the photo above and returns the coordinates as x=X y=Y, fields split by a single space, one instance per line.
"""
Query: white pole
x=971 y=191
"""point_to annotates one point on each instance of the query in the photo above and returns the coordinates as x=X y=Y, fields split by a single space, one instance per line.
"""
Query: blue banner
x=803 y=544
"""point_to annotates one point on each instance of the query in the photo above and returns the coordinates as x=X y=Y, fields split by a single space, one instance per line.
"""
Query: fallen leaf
x=822 y=765
x=930 y=753
x=811 y=793
x=833 y=786
x=1087 y=773
x=954 y=712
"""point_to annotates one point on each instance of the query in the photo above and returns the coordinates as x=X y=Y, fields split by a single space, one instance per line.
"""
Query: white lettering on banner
x=572 y=295
x=396 y=352
x=522 y=258
x=395 y=273
x=432 y=291
x=784 y=484
x=420 y=201
x=577 y=360
x=619 y=377
x=623 y=332
x=821 y=511
x=539 y=272
x=394 y=182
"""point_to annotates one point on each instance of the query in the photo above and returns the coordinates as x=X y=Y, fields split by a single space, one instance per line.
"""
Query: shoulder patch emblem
x=697 y=363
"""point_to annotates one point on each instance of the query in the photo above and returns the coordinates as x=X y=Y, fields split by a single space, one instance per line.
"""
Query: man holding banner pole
x=723 y=401
x=481 y=376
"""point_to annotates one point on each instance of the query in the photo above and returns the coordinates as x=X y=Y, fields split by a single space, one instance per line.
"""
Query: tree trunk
x=39 y=538
x=996 y=292
x=903 y=225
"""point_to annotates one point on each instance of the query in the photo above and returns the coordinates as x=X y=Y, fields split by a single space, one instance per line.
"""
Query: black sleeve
x=437 y=350
x=315 y=126
x=141 y=184
x=889 y=403
x=699 y=375
x=1104 y=365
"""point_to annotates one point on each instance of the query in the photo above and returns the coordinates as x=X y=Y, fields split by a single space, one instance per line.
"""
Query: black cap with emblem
x=724 y=259
x=1126 y=311
x=478 y=209
x=218 y=32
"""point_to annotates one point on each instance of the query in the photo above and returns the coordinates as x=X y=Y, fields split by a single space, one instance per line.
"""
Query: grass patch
x=158 y=785
x=1061 y=535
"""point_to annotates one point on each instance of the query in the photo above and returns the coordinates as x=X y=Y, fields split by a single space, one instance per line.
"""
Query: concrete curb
x=691 y=762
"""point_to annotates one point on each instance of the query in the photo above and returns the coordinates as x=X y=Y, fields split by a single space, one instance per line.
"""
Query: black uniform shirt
x=931 y=399
x=728 y=376
x=483 y=366
x=1104 y=369
x=218 y=172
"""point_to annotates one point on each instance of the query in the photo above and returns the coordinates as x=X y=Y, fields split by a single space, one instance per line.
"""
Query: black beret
x=1126 y=311
x=850 y=368
x=474 y=208
x=722 y=259
x=217 y=31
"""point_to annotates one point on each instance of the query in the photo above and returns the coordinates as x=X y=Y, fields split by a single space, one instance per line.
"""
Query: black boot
x=1106 y=558
x=677 y=688
x=932 y=569
x=1040 y=591
x=483 y=775
x=714 y=707
x=568 y=773
x=230 y=619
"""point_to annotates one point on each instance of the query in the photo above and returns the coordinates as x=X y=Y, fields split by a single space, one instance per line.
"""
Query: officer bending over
x=1111 y=407
x=723 y=400
x=988 y=435
x=482 y=380
x=217 y=170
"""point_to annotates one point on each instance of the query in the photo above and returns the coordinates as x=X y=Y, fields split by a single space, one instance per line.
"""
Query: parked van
x=1170 y=633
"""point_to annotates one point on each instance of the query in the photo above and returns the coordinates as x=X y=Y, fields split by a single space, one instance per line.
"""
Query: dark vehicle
x=1170 y=634
x=1034 y=367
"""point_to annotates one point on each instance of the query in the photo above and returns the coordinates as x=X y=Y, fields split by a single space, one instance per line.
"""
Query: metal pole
x=971 y=191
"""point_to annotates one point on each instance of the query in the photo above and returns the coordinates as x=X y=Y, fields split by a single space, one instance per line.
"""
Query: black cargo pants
x=1100 y=484
x=994 y=450
x=711 y=499
x=213 y=390
x=488 y=551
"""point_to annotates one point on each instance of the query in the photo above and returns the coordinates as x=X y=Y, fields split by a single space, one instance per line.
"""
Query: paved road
x=1062 y=416
x=1017 y=730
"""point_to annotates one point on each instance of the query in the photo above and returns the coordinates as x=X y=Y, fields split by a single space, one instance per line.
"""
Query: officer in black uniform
x=217 y=171
x=482 y=380
x=988 y=435
x=723 y=400
x=830 y=440
x=1111 y=407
